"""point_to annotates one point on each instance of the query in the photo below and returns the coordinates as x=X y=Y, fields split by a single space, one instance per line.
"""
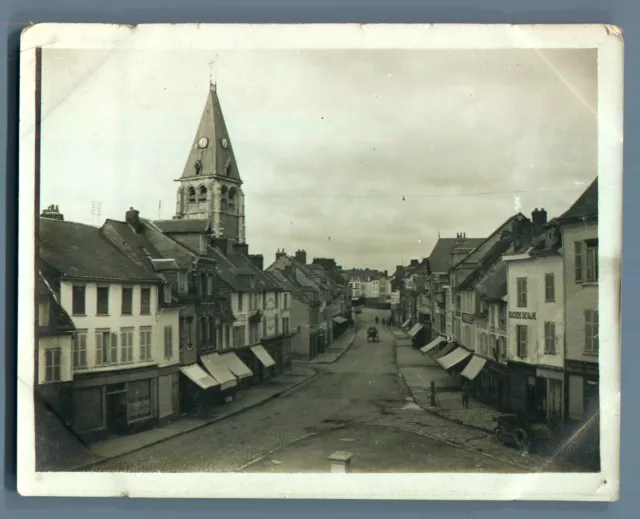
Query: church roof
x=211 y=152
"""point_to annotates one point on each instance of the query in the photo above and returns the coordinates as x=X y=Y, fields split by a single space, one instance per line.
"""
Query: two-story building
x=536 y=327
x=125 y=359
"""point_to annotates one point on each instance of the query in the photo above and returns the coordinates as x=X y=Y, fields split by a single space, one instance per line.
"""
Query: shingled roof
x=585 y=207
x=79 y=251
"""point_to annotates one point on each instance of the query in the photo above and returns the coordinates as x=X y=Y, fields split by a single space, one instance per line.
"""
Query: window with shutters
x=550 y=338
x=126 y=344
x=168 y=342
x=254 y=331
x=591 y=343
x=103 y=347
x=145 y=343
x=586 y=261
x=521 y=338
x=521 y=284
x=80 y=349
x=53 y=372
x=549 y=288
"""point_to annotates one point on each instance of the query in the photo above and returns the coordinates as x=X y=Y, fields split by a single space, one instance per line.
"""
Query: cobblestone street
x=359 y=403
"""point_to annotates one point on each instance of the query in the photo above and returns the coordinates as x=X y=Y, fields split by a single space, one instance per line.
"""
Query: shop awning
x=216 y=366
x=263 y=356
x=474 y=367
x=236 y=366
x=199 y=376
x=433 y=344
x=406 y=323
x=339 y=320
x=416 y=328
x=447 y=349
x=455 y=357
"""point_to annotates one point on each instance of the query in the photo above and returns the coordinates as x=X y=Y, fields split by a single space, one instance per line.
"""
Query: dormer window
x=191 y=195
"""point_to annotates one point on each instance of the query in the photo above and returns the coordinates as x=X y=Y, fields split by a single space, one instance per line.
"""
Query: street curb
x=84 y=468
x=339 y=356
x=436 y=413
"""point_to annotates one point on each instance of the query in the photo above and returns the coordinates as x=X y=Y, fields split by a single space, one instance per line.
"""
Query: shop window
x=79 y=300
x=88 y=408
x=139 y=400
x=80 y=349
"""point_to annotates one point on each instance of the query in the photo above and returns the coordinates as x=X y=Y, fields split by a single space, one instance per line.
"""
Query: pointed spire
x=212 y=151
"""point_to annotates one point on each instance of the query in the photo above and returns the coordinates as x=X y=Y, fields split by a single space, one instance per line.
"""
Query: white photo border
x=603 y=486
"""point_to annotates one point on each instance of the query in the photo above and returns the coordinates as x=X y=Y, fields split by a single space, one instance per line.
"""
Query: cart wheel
x=522 y=438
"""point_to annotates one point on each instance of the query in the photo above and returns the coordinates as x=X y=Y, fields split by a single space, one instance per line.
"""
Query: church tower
x=210 y=187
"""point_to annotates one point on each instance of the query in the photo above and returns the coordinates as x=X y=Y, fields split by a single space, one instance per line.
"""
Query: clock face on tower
x=203 y=142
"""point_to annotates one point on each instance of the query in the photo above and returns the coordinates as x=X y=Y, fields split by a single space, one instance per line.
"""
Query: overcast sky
x=362 y=156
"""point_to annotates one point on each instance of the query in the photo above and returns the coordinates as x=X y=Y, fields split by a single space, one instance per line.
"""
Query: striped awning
x=236 y=366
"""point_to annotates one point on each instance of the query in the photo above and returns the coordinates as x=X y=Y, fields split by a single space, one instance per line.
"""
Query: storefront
x=490 y=386
x=118 y=403
x=522 y=388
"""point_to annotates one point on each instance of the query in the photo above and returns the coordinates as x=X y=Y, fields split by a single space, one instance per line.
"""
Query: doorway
x=116 y=408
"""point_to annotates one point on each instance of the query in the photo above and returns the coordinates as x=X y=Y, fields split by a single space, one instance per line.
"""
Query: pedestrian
x=465 y=395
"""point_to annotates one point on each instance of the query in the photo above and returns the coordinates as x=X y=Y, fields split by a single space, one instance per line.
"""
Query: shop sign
x=467 y=318
x=523 y=315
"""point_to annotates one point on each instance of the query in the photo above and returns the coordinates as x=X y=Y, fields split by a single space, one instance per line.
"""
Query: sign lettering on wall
x=523 y=315
x=467 y=318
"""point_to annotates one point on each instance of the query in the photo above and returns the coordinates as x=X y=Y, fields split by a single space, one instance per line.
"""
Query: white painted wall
x=534 y=270
x=115 y=321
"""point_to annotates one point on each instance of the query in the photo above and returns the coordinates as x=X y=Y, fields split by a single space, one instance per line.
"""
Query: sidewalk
x=418 y=371
x=251 y=397
x=339 y=347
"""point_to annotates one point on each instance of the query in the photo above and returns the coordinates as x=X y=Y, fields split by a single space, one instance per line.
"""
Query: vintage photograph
x=279 y=259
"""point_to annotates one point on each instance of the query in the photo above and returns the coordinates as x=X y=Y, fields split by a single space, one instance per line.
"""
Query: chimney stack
x=301 y=256
x=132 y=217
x=539 y=219
x=280 y=254
x=257 y=260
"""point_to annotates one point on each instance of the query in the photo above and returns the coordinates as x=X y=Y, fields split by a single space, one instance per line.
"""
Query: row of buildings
x=515 y=313
x=140 y=321
x=371 y=287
